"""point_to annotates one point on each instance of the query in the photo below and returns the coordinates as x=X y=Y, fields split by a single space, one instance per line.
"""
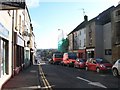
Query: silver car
x=116 y=68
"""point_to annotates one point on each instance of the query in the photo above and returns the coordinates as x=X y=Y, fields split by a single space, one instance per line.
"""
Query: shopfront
x=82 y=53
x=19 y=53
x=90 y=53
x=4 y=51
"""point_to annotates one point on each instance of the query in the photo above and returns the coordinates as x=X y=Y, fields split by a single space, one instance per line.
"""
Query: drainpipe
x=13 y=44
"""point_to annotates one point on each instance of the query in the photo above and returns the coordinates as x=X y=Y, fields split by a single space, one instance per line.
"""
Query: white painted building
x=81 y=35
x=5 y=45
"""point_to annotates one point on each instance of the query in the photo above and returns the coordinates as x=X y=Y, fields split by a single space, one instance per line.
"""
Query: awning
x=12 y=4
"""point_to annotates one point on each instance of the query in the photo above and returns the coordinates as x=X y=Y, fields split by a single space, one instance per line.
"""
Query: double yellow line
x=44 y=80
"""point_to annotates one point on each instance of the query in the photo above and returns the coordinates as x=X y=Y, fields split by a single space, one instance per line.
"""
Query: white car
x=116 y=68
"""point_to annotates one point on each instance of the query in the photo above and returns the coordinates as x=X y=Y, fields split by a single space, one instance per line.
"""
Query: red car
x=80 y=63
x=98 y=65
x=57 y=57
x=69 y=58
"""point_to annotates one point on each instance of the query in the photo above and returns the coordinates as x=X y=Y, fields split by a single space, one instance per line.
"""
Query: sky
x=50 y=18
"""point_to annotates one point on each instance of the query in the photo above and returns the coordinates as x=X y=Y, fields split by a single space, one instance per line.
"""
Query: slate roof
x=105 y=16
x=101 y=19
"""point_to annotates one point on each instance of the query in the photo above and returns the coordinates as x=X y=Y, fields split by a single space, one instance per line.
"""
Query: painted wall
x=107 y=37
x=81 y=38
x=6 y=21
x=99 y=41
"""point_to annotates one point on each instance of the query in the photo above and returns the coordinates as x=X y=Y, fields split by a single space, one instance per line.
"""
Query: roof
x=80 y=26
x=117 y=7
x=101 y=19
x=105 y=16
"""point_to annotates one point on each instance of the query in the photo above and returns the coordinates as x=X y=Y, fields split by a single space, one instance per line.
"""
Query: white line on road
x=84 y=79
x=92 y=83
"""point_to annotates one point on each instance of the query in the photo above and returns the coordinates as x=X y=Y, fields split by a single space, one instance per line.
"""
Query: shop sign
x=90 y=49
x=20 y=41
x=12 y=4
x=4 y=32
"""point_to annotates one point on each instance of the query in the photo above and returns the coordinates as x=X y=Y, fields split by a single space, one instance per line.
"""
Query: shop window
x=90 y=54
x=4 y=65
x=108 y=52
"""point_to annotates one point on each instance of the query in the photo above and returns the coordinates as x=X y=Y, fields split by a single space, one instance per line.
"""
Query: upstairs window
x=118 y=13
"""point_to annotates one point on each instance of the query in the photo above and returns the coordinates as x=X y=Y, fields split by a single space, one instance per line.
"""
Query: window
x=108 y=52
x=80 y=43
x=118 y=13
x=80 y=32
x=4 y=57
x=84 y=42
x=20 y=24
x=84 y=31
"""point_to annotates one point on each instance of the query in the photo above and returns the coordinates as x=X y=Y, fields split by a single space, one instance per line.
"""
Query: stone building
x=116 y=34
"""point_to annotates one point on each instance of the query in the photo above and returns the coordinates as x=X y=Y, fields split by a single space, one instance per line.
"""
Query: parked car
x=69 y=58
x=116 y=68
x=50 y=61
x=98 y=65
x=57 y=57
x=80 y=63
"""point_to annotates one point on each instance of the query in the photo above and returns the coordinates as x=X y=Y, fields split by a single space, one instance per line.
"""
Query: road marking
x=93 y=83
x=30 y=87
x=45 y=81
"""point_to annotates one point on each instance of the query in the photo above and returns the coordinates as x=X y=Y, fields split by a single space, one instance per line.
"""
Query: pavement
x=28 y=79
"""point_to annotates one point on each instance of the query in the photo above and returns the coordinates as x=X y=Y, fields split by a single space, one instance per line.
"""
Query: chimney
x=85 y=18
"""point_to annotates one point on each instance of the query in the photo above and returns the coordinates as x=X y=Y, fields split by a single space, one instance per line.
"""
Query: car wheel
x=97 y=70
x=86 y=68
x=115 y=72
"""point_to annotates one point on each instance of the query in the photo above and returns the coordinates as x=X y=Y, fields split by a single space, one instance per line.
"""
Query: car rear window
x=72 y=55
x=101 y=60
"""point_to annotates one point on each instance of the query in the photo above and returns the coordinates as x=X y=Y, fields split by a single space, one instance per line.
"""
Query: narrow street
x=45 y=76
x=68 y=77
